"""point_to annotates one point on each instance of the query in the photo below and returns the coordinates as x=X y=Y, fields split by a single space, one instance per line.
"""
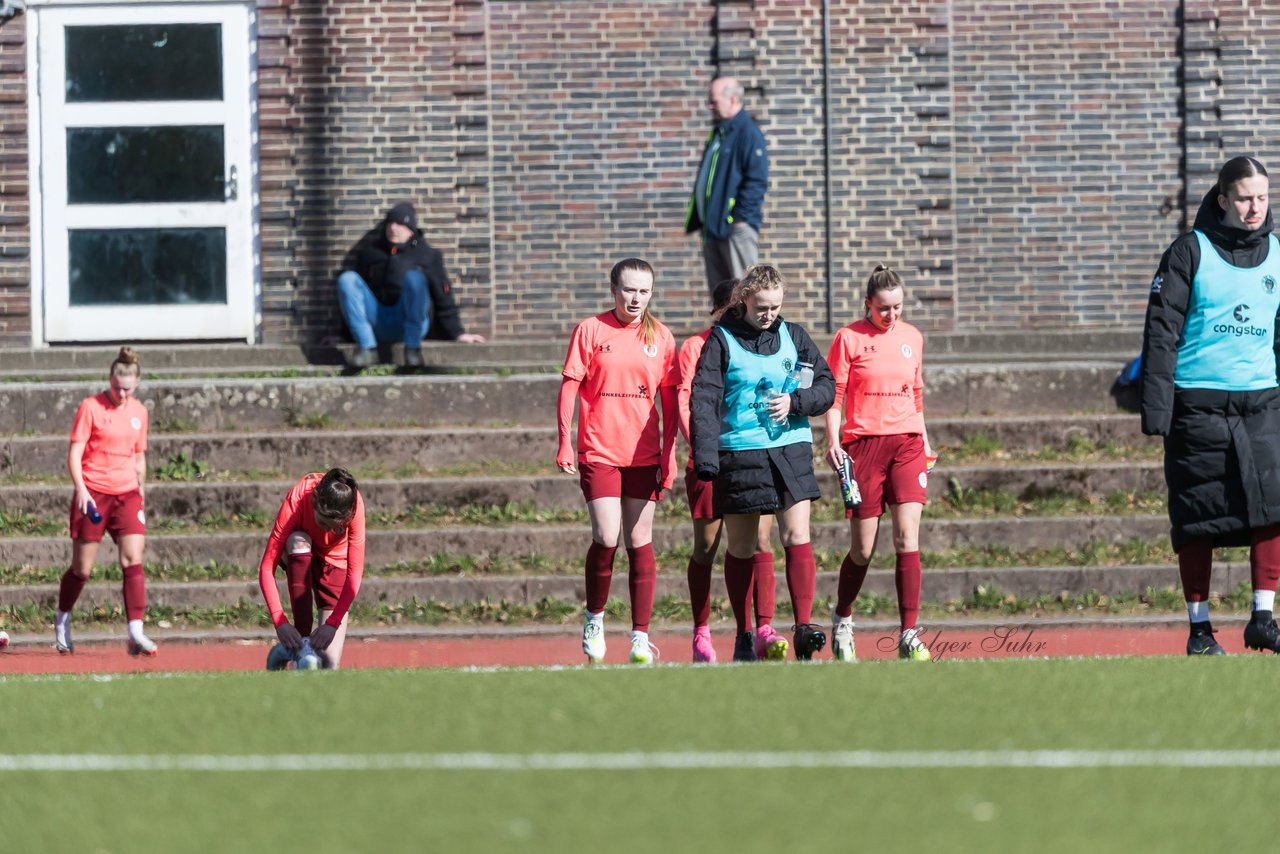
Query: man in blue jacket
x=727 y=204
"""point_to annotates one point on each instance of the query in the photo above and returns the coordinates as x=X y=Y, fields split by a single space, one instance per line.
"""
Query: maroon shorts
x=324 y=579
x=601 y=480
x=889 y=470
x=121 y=515
x=699 y=492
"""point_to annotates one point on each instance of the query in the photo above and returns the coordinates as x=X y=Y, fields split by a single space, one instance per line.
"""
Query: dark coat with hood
x=1222 y=448
x=753 y=481
x=383 y=267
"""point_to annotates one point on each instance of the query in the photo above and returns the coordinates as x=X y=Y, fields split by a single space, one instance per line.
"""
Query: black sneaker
x=745 y=647
x=363 y=358
x=809 y=640
x=1262 y=634
x=1204 y=644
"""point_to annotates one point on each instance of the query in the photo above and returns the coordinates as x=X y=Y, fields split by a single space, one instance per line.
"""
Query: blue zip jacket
x=739 y=179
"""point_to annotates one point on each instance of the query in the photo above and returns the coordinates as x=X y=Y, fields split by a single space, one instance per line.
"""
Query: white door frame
x=51 y=317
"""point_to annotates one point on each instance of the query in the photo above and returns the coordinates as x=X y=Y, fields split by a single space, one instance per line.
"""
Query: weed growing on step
x=171 y=424
x=181 y=466
x=308 y=420
x=15 y=523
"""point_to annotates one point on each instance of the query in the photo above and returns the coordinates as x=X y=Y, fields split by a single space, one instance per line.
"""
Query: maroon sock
x=599 y=574
x=851 y=577
x=907 y=578
x=1195 y=565
x=699 y=575
x=1264 y=558
x=642 y=578
x=69 y=590
x=766 y=585
x=737 y=580
x=802 y=575
x=297 y=572
x=135 y=592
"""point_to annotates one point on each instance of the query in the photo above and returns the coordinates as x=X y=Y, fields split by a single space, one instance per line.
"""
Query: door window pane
x=148 y=266
x=145 y=62
x=153 y=164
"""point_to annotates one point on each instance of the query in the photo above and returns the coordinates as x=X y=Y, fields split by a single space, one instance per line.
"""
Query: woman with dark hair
x=318 y=538
x=621 y=371
x=877 y=425
x=707 y=527
x=107 y=461
x=1209 y=387
x=751 y=436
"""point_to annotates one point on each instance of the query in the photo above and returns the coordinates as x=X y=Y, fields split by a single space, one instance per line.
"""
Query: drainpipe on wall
x=826 y=161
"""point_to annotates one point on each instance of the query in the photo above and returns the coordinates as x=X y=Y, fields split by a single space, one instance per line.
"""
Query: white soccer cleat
x=593 y=640
x=911 y=648
x=141 y=645
x=62 y=638
x=842 y=646
x=642 y=652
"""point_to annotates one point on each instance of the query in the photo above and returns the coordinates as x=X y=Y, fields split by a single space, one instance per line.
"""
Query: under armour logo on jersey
x=604 y=348
x=868 y=348
x=1157 y=283
x=1239 y=313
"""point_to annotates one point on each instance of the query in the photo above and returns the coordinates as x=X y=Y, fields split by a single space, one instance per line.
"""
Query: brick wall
x=15 y=208
x=1021 y=162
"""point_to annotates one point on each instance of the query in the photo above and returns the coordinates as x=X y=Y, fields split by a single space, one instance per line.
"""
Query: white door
x=146 y=178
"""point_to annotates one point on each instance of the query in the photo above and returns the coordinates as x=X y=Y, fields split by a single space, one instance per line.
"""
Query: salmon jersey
x=878 y=379
x=690 y=351
x=617 y=401
x=344 y=549
x=113 y=437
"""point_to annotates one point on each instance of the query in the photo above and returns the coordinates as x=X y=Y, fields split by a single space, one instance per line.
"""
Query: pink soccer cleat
x=703 y=651
x=770 y=645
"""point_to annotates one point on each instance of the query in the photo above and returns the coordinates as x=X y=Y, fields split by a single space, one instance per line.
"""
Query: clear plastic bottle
x=765 y=390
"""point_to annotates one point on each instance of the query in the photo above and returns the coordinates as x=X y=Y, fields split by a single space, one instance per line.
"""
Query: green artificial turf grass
x=1098 y=705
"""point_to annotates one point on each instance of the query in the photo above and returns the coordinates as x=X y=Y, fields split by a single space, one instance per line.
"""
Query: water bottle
x=801 y=376
x=94 y=516
x=307 y=658
x=764 y=393
x=849 y=491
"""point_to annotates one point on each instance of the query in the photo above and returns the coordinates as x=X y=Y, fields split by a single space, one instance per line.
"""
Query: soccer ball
x=4 y=639
x=278 y=658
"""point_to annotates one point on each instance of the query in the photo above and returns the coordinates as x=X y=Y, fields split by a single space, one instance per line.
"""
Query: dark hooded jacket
x=749 y=481
x=383 y=267
x=1222 y=448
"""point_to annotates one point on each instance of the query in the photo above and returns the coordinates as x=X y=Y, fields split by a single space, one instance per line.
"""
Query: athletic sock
x=69 y=590
x=599 y=575
x=737 y=581
x=699 y=575
x=907 y=578
x=802 y=574
x=135 y=592
x=766 y=587
x=642 y=578
x=297 y=572
x=852 y=575
x=1264 y=566
x=135 y=631
x=1195 y=567
x=1197 y=612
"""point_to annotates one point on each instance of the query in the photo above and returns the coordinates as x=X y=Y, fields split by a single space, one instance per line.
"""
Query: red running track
x=1015 y=641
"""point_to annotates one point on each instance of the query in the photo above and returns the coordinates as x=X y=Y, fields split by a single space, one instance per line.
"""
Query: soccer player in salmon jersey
x=318 y=538
x=706 y=527
x=621 y=371
x=107 y=460
x=878 y=422
x=751 y=436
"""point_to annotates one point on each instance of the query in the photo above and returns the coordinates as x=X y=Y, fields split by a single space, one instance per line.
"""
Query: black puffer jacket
x=1222 y=448
x=746 y=481
x=383 y=266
